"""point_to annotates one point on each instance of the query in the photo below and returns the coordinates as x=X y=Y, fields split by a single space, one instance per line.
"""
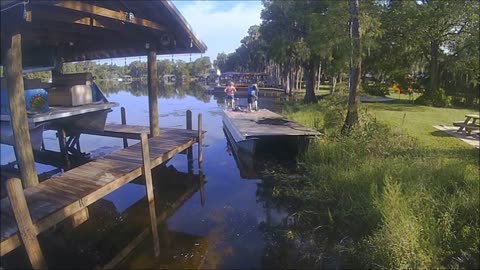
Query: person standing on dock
x=230 y=95
x=253 y=97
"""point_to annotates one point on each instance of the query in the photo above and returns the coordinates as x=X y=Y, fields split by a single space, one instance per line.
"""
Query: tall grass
x=401 y=203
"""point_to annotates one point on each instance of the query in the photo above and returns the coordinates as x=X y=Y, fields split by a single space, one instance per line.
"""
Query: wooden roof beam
x=41 y=14
x=109 y=13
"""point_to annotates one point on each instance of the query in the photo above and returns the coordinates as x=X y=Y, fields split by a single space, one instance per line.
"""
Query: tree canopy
x=429 y=46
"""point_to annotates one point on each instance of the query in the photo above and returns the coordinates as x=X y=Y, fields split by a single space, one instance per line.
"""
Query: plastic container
x=36 y=101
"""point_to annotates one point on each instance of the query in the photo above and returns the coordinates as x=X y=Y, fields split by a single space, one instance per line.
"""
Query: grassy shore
x=395 y=193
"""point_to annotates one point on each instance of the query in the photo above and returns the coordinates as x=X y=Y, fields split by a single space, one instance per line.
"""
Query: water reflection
x=119 y=225
x=140 y=88
x=234 y=221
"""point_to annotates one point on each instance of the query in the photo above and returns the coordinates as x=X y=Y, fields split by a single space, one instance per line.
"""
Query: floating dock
x=250 y=130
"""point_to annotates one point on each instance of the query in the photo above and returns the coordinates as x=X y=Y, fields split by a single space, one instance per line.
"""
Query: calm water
x=236 y=226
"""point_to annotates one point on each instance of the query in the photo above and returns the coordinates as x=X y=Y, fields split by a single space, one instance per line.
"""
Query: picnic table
x=469 y=124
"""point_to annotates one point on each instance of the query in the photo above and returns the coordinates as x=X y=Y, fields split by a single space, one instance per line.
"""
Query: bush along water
x=378 y=199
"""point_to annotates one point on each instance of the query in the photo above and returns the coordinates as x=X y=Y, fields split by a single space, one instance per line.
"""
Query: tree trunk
x=278 y=68
x=286 y=78
x=287 y=84
x=351 y=120
x=310 y=80
x=433 y=67
x=319 y=76
x=300 y=78
x=292 y=80
x=333 y=84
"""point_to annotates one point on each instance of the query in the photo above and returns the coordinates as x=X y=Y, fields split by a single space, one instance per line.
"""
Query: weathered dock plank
x=261 y=129
x=265 y=123
x=55 y=199
x=134 y=131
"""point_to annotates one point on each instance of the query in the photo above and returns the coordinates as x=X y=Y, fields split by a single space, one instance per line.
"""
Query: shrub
x=399 y=203
x=437 y=98
x=376 y=89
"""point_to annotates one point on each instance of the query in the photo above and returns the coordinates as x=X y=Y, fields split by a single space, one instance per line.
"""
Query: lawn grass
x=418 y=121
x=394 y=193
x=401 y=96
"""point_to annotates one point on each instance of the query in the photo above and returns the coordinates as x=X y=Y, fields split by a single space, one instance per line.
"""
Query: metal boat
x=90 y=116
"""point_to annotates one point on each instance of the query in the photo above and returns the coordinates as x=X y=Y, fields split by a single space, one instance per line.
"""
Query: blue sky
x=219 y=24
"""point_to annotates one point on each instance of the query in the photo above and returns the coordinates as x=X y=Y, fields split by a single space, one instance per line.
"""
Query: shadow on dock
x=118 y=232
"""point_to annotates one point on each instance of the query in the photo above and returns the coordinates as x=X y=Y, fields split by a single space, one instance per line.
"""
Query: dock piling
x=153 y=90
x=189 y=120
x=147 y=172
x=200 y=158
x=62 y=142
x=18 y=112
x=28 y=231
x=124 y=122
x=200 y=139
x=79 y=217
x=189 y=149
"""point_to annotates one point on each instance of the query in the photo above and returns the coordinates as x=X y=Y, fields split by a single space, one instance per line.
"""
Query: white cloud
x=221 y=25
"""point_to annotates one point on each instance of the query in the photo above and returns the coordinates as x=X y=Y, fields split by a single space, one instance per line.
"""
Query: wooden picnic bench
x=469 y=124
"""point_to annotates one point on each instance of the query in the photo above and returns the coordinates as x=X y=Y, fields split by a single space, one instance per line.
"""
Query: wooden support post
x=166 y=240
x=189 y=149
x=62 y=142
x=200 y=140
x=58 y=63
x=189 y=120
x=200 y=158
x=146 y=169
x=153 y=91
x=28 y=231
x=18 y=111
x=201 y=178
x=79 y=217
x=124 y=122
x=147 y=172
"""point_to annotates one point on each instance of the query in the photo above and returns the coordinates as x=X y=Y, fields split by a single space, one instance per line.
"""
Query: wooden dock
x=126 y=131
x=247 y=129
x=58 y=198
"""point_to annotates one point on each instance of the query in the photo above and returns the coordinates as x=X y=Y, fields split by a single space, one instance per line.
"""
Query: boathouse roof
x=89 y=30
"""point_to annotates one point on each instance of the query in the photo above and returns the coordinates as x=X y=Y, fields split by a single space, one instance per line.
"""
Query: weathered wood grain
x=264 y=123
x=153 y=90
x=124 y=122
x=60 y=197
x=28 y=231
x=147 y=172
x=18 y=112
